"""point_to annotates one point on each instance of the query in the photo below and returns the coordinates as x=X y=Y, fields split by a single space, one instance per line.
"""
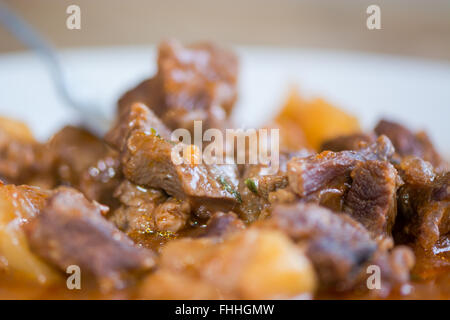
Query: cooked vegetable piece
x=318 y=119
x=252 y=264
x=19 y=204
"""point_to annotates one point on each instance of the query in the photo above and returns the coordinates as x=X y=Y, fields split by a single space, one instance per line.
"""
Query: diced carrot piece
x=318 y=119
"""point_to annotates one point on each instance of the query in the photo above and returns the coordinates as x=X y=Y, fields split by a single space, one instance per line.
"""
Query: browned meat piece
x=147 y=161
x=310 y=174
x=21 y=156
x=382 y=149
x=221 y=224
x=259 y=189
x=424 y=208
x=74 y=150
x=137 y=206
x=254 y=188
x=148 y=216
x=172 y=215
x=325 y=178
x=100 y=179
x=135 y=117
x=407 y=143
x=338 y=246
x=16 y=158
x=197 y=82
x=371 y=199
x=416 y=172
x=351 y=142
x=253 y=205
x=262 y=184
x=147 y=93
x=70 y=230
x=85 y=162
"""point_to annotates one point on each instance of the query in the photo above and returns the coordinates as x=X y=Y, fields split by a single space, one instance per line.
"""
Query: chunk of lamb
x=135 y=117
x=222 y=224
x=325 y=178
x=70 y=230
x=261 y=181
x=424 y=203
x=254 y=188
x=309 y=174
x=137 y=205
x=372 y=198
x=350 y=142
x=147 y=161
x=148 y=216
x=338 y=246
x=196 y=82
x=407 y=143
x=95 y=170
x=22 y=158
x=259 y=187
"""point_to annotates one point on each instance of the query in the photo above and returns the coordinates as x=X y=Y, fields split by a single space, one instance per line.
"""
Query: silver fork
x=91 y=115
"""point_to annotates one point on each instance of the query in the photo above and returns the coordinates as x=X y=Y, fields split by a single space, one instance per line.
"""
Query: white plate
x=415 y=92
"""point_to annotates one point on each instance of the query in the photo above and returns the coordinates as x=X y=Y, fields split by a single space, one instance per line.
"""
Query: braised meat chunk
x=137 y=204
x=70 y=230
x=407 y=143
x=147 y=161
x=135 y=117
x=21 y=156
x=222 y=224
x=338 y=246
x=350 y=142
x=425 y=207
x=197 y=82
x=372 y=199
x=85 y=162
x=310 y=174
x=325 y=178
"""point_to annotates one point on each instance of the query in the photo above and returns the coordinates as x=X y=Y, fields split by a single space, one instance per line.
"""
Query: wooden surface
x=409 y=27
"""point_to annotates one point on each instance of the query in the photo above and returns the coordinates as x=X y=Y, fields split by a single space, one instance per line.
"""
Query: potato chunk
x=17 y=205
x=318 y=119
x=16 y=130
x=252 y=264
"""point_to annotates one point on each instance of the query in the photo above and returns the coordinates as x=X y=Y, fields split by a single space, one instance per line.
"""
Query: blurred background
x=324 y=47
x=417 y=28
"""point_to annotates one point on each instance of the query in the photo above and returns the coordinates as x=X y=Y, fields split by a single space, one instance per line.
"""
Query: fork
x=91 y=115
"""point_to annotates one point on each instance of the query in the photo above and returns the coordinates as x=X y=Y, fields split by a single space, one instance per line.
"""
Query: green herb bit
x=153 y=132
x=252 y=185
x=227 y=187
